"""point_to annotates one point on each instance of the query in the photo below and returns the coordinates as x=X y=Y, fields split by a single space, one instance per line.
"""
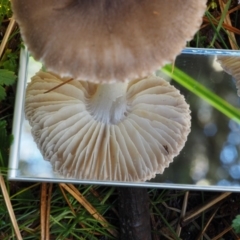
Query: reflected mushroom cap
x=107 y=40
x=117 y=132
x=231 y=65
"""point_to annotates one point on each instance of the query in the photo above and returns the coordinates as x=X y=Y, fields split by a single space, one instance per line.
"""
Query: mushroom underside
x=142 y=127
x=231 y=65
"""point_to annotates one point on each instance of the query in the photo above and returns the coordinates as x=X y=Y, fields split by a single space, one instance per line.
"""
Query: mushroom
x=107 y=40
x=231 y=65
x=117 y=132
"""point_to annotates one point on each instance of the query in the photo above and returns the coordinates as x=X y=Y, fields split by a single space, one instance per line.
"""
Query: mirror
x=210 y=158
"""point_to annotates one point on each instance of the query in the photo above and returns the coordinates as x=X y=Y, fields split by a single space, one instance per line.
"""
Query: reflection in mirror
x=232 y=66
x=211 y=156
x=212 y=153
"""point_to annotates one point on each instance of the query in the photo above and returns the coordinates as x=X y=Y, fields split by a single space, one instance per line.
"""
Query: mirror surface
x=210 y=158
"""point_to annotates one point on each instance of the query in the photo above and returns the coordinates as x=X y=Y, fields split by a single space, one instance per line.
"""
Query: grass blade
x=201 y=91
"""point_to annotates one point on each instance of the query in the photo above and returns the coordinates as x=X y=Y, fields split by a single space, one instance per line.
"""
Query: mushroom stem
x=134 y=213
x=108 y=103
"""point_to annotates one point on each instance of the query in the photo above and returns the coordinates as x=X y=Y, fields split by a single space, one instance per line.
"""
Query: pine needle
x=83 y=201
x=46 y=192
x=6 y=35
x=227 y=20
x=195 y=213
x=10 y=208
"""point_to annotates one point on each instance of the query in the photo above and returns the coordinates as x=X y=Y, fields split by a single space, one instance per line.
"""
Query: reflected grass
x=198 y=89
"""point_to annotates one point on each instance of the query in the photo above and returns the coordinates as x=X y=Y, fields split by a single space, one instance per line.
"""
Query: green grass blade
x=201 y=91
x=217 y=33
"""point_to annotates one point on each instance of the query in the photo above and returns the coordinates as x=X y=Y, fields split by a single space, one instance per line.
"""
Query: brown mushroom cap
x=107 y=40
x=232 y=66
x=118 y=132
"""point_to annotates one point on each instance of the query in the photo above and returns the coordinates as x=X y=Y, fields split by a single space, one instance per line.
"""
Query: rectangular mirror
x=210 y=159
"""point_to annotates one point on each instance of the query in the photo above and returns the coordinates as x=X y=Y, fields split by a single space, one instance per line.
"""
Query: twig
x=198 y=227
x=183 y=212
x=5 y=109
x=207 y=224
x=97 y=195
x=167 y=237
x=66 y=199
x=69 y=204
x=43 y=210
x=230 y=28
x=10 y=209
x=154 y=227
x=222 y=233
x=171 y=208
x=227 y=20
x=6 y=35
x=232 y=231
x=48 y=211
x=165 y=230
x=195 y=213
x=224 y=25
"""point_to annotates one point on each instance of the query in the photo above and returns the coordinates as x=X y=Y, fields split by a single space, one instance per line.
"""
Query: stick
x=227 y=20
x=6 y=35
x=183 y=212
x=196 y=213
x=45 y=210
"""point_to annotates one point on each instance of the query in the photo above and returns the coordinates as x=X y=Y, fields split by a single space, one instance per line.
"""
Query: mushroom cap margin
x=232 y=66
x=106 y=40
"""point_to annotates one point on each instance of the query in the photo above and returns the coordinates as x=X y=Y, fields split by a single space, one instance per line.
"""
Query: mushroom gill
x=231 y=64
x=118 y=132
x=107 y=40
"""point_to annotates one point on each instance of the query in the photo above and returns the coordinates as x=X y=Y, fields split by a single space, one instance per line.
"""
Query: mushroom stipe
x=109 y=132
